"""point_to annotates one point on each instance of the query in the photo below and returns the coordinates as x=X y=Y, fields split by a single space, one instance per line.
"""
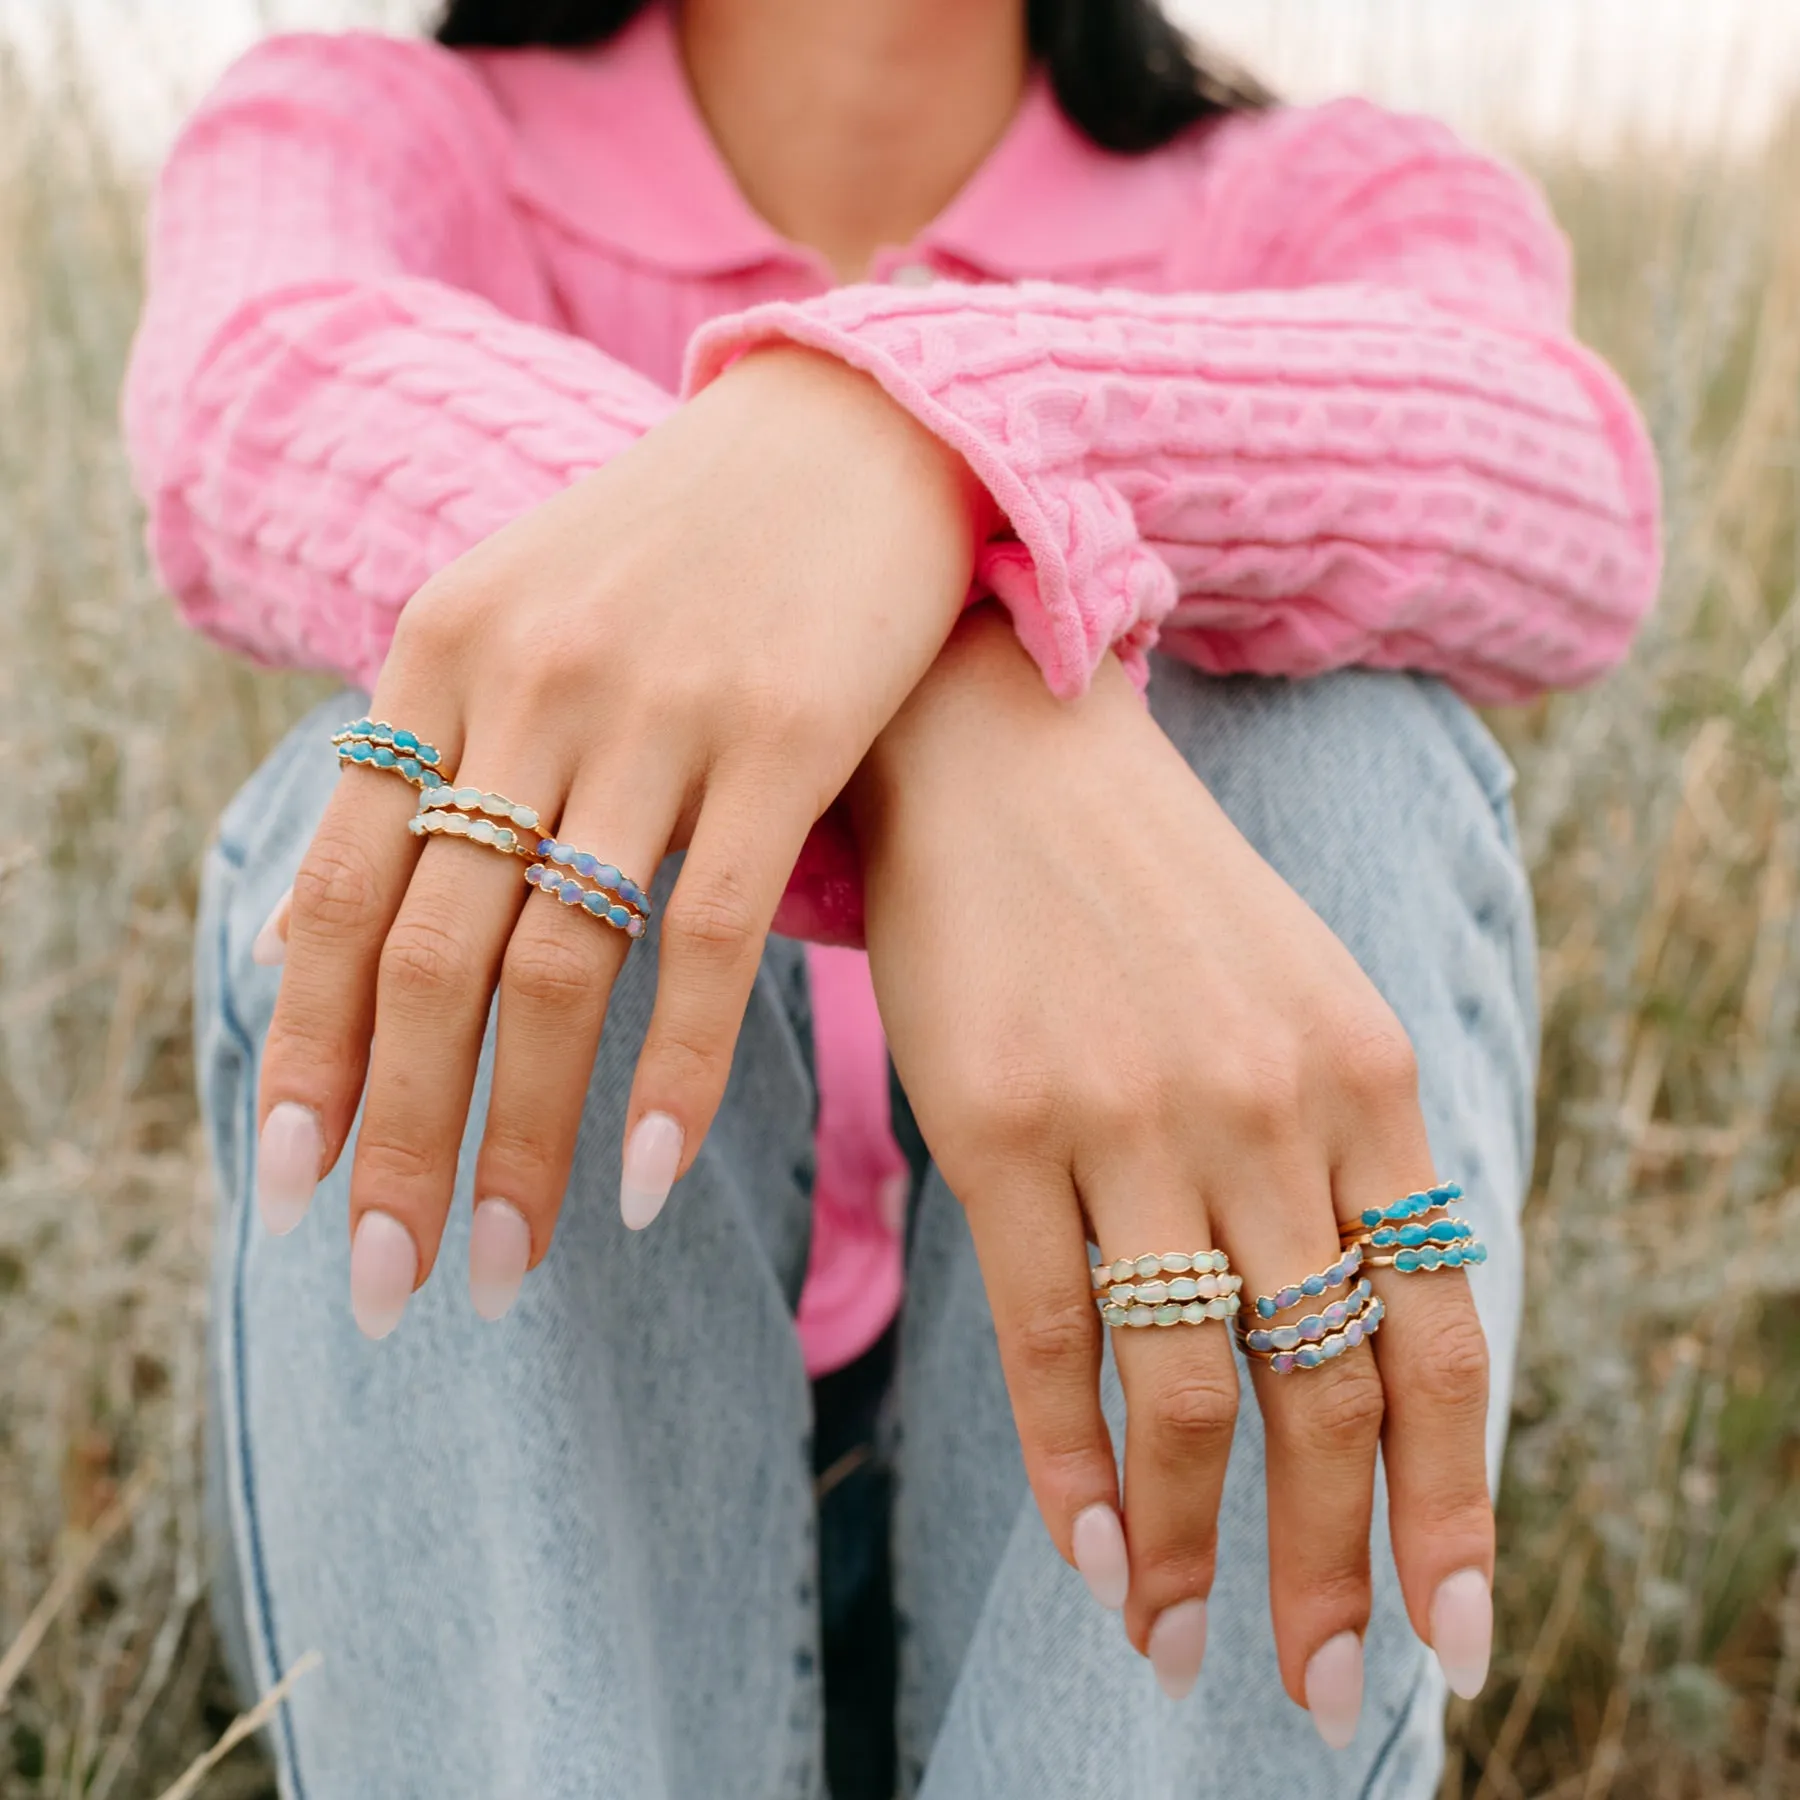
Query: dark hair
x=1123 y=74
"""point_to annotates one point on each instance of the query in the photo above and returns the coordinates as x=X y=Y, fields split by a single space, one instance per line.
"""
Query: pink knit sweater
x=1295 y=392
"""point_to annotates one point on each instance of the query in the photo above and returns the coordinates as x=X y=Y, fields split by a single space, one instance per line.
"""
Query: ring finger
x=555 y=983
x=1181 y=1398
x=1321 y=1428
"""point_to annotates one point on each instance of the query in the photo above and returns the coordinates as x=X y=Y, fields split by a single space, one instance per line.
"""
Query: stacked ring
x=375 y=744
x=1408 y=1206
x=1320 y=1337
x=1171 y=1262
x=495 y=806
x=470 y=813
x=597 y=903
x=591 y=868
x=1404 y=1237
x=1200 y=1287
x=1311 y=1286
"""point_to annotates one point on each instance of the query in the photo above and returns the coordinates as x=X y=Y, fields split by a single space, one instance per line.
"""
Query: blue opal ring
x=1311 y=1286
x=375 y=744
x=596 y=902
x=1408 y=1206
x=591 y=868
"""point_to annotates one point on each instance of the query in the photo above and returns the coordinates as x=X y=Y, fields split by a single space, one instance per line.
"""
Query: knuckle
x=520 y=1147
x=391 y=1160
x=1194 y=1414
x=1454 y=1377
x=423 y=960
x=1054 y=1337
x=1346 y=1409
x=548 y=974
x=1379 y=1064
x=714 y=921
x=336 y=888
x=687 y=1061
x=1009 y=1104
x=1263 y=1097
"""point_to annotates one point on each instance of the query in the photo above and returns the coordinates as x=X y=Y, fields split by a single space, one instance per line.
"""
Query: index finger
x=346 y=894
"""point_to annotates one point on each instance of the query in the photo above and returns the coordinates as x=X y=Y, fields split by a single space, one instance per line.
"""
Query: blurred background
x=1649 y=1583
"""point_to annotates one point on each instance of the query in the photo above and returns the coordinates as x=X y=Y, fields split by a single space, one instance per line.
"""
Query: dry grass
x=1650 y=1581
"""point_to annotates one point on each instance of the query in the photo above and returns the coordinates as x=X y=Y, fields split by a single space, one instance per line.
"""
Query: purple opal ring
x=1320 y=1337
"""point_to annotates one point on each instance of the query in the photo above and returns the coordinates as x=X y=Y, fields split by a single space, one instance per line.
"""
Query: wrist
x=982 y=708
x=856 y=416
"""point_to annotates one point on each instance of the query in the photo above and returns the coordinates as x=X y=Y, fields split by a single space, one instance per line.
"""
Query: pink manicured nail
x=1178 y=1647
x=499 y=1249
x=652 y=1155
x=270 y=945
x=1334 y=1685
x=1462 y=1630
x=287 y=1165
x=1099 y=1544
x=384 y=1264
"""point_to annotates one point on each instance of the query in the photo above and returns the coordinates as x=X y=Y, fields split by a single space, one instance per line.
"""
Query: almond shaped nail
x=1098 y=1541
x=1178 y=1647
x=384 y=1264
x=499 y=1252
x=1334 y=1688
x=288 y=1156
x=652 y=1155
x=1462 y=1630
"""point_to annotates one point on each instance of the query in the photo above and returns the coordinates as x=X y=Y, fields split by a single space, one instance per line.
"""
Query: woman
x=778 y=431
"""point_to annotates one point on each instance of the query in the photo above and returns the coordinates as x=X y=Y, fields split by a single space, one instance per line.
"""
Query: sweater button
x=912 y=275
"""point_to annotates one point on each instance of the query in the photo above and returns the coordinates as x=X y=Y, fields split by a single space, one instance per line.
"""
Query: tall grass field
x=1649 y=1581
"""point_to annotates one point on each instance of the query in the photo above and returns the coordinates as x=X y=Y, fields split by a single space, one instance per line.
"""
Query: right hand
x=1116 y=1023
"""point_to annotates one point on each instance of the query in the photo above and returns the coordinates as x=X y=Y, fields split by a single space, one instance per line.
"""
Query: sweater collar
x=611 y=142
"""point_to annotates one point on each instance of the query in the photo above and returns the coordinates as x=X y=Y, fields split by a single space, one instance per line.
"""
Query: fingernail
x=287 y=1165
x=270 y=945
x=1334 y=1684
x=1100 y=1559
x=499 y=1249
x=384 y=1264
x=1178 y=1647
x=1462 y=1630
x=652 y=1154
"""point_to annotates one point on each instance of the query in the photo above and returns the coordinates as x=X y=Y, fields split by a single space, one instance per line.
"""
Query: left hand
x=691 y=648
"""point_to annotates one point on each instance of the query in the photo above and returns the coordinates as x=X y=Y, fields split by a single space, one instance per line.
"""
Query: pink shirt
x=1297 y=391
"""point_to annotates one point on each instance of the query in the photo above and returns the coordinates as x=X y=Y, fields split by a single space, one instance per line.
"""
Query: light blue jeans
x=574 y=1554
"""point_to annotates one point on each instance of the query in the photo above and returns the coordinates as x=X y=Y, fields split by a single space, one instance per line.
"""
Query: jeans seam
x=1385 y=1754
x=256 y=1586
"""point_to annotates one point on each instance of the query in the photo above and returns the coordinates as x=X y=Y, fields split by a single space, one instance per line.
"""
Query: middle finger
x=1322 y=1426
x=434 y=983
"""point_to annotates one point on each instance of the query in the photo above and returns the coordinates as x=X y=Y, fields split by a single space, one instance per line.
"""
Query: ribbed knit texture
x=1295 y=392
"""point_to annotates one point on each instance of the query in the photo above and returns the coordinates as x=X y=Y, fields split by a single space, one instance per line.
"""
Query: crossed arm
x=696 y=625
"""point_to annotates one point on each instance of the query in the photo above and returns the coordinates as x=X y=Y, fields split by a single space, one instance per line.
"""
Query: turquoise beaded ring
x=375 y=744
x=1406 y=1237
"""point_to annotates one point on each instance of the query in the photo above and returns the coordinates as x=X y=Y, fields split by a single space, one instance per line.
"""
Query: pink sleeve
x=347 y=372
x=1362 y=434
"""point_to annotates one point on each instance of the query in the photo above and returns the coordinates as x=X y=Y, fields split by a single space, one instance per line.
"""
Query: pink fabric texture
x=1295 y=392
